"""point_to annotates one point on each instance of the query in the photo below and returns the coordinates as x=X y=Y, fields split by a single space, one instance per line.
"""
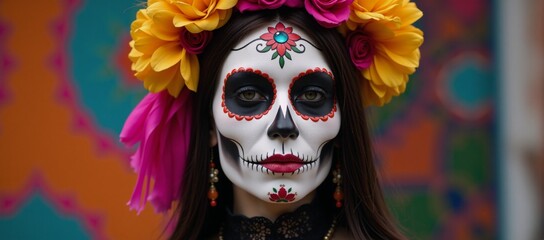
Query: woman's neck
x=250 y=206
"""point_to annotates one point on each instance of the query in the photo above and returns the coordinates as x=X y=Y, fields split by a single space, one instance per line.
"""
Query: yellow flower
x=396 y=43
x=158 y=56
x=202 y=15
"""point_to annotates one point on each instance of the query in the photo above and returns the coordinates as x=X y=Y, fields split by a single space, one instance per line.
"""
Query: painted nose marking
x=283 y=126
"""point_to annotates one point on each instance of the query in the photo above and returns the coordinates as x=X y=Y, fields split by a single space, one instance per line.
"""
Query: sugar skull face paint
x=275 y=123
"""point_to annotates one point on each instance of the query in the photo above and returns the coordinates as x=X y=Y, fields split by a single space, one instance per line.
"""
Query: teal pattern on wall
x=436 y=143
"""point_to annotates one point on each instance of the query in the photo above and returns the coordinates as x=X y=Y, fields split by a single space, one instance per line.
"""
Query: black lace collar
x=307 y=222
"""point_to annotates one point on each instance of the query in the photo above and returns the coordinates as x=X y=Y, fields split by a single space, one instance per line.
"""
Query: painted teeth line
x=253 y=159
x=257 y=167
x=307 y=159
x=254 y=163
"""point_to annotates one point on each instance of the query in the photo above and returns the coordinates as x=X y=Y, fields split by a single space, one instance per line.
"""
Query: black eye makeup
x=312 y=94
x=248 y=94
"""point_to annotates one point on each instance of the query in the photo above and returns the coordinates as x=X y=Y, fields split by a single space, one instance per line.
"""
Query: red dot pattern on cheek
x=306 y=117
x=247 y=118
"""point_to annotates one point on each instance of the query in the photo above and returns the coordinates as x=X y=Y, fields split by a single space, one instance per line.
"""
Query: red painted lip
x=282 y=163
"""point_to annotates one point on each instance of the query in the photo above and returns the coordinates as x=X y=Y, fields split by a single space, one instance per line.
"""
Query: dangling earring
x=212 y=192
x=338 y=193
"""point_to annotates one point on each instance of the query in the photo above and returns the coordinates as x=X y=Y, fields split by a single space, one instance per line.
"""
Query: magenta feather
x=162 y=126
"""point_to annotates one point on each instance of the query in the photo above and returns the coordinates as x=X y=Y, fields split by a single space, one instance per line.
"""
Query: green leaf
x=296 y=49
x=289 y=190
x=275 y=190
x=266 y=49
x=288 y=55
x=282 y=61
x=275 y=55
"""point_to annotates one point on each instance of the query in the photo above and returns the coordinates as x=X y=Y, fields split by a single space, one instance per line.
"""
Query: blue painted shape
x=98 y=31
x=281 y=37
x=470 y=83
x=38 y=219
x=455 y=199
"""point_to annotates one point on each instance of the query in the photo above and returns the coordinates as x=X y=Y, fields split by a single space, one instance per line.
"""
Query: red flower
x=194 y=43
x=282 y=195
x=281 y=38
x=361 y=49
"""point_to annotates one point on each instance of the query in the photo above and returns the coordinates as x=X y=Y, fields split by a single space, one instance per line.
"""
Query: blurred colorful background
x=458 y=153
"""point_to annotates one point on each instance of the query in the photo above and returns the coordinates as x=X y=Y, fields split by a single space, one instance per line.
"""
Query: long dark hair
x=364 y=213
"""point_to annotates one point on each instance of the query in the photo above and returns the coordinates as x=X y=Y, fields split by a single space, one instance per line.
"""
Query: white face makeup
x=275 y=113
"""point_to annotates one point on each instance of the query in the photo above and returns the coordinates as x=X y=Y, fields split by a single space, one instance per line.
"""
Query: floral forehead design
x=168 y=35
x=282 y=40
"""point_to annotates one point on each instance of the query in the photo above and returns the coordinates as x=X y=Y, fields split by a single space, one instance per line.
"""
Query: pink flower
x=328 y=13
x=253 y=5
x=282 y=195
x=195 y=43
x=294 y=3
x=361 y=49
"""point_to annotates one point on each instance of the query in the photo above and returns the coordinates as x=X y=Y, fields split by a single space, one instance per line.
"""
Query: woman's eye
x=311 y=96
x=250 y=95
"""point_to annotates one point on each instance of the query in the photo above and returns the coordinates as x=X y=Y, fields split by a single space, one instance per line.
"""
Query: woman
x=278 y=109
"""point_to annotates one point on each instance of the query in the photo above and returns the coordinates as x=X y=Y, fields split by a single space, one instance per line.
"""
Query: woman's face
x=275 y=114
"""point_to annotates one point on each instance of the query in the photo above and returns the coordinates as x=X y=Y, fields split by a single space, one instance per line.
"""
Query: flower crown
x=168 y=35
